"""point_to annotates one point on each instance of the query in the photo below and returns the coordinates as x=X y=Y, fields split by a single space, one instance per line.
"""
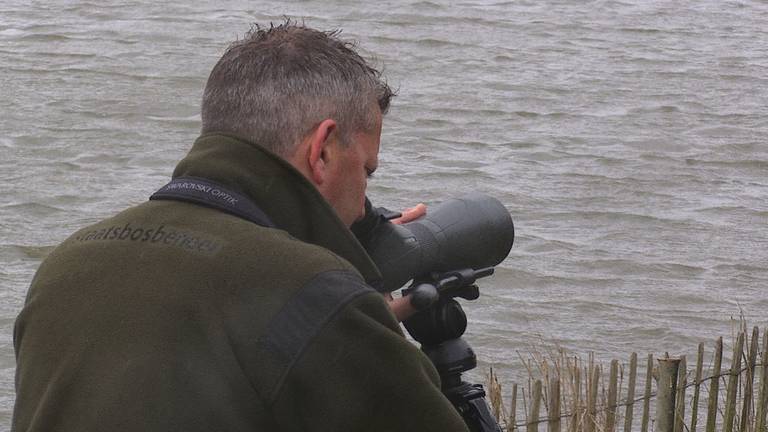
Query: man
x=237 y=298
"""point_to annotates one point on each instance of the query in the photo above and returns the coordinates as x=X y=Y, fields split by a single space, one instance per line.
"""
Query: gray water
x=627 y=139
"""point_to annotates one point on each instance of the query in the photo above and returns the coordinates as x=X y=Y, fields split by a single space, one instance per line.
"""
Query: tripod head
x=445 y=319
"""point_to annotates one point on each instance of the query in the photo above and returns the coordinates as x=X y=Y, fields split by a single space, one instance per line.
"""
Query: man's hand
x=411 y=214
x=402 y=307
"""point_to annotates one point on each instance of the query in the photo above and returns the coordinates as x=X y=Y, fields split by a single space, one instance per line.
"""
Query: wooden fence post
x=513 y=410
x=554 y=404
x=682 y=381
x=714 y=387
x=746 y=409
x=533 y=419
x=647 y=394
x=697 y=388
x=630 y=392
x=591 y=414
x=610 y=415
x=576 y=406
x=665 y=396
x=733 y=385
x=762 y=399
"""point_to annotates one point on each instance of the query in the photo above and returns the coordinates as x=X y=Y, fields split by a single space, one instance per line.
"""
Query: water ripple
x=626 y=140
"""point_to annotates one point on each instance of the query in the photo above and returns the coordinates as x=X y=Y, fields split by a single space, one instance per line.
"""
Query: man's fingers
x=401 y=307
x=411 y=214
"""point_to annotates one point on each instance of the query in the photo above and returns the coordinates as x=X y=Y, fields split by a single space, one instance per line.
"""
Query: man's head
x=308 y=97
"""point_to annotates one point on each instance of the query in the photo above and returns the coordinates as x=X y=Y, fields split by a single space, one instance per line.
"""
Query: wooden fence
x=567 y=394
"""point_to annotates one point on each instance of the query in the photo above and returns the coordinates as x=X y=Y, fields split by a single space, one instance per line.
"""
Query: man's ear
x=320 y=150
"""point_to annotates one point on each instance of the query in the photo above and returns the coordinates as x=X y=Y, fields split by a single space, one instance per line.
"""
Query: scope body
x=474 y=231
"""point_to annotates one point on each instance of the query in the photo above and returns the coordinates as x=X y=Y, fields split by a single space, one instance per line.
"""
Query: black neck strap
x=210 y=194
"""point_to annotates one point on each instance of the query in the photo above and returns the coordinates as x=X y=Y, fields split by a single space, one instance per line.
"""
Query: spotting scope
x=471 y=232
x=444 y=252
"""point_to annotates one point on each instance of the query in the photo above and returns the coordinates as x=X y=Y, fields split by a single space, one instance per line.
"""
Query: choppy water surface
x=627 y=138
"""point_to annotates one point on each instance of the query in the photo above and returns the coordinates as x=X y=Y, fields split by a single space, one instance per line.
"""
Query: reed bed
x=567 y=393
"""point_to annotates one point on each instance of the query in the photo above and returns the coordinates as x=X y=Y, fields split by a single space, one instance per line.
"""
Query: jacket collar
x=283 y=193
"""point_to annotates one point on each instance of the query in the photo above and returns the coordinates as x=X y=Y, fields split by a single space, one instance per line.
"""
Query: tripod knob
x=423 y=295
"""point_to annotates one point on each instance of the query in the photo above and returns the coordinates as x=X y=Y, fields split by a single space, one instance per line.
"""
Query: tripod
x=439 y=329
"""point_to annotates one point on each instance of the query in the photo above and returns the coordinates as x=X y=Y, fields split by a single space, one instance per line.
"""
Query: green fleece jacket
x=172 y=316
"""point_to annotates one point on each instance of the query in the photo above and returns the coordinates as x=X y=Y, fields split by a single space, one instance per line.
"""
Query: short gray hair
x=278 y=83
